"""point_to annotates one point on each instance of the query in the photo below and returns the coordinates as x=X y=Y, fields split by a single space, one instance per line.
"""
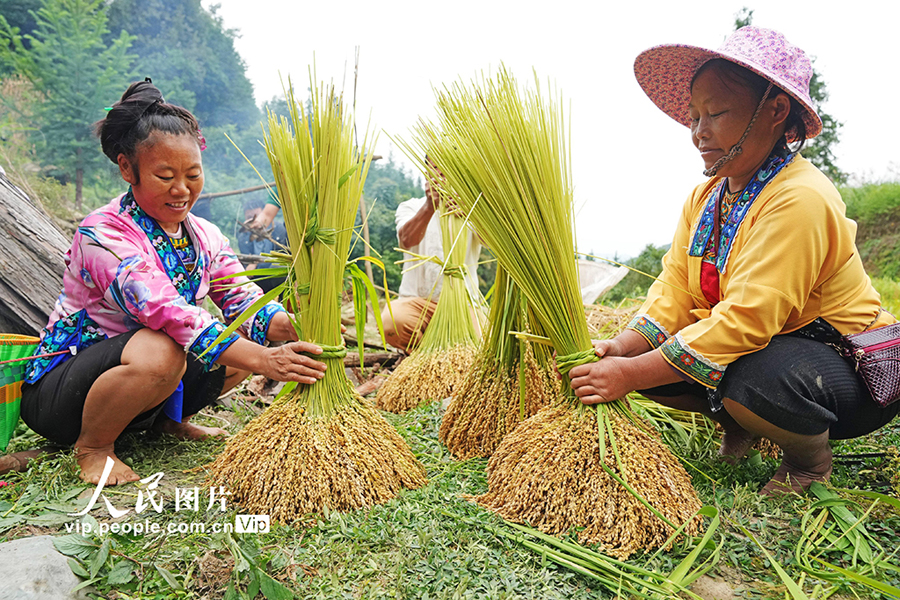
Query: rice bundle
x=319 y=446
x=438 y=365
x=510 y=380
x=503 y=154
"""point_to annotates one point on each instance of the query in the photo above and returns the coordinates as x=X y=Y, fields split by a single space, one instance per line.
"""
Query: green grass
x=890 y=293
x=871 y=201
x=428 y=543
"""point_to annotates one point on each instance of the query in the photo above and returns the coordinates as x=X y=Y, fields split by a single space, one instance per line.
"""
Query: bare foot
x=187 y=430
x=789 y=479
x=93 y=460
x=735 y=444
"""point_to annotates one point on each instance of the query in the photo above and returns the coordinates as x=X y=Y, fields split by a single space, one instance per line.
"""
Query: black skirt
x=798 y=383
x=53 y=405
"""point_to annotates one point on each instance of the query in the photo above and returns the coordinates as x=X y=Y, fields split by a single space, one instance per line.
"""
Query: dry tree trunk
x=32 y=261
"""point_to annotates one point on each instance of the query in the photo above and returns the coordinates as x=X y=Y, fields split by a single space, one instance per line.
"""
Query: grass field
x=428 y=543
x=433 y=543
x=890 y=293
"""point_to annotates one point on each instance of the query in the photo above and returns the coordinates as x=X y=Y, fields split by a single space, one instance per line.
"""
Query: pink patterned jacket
x=122 y=273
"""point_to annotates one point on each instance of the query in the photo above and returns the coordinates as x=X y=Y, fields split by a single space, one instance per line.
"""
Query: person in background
x=419 y=231
x=146 y=354
x=763 y=276
x=256 y=241
x=264 y=218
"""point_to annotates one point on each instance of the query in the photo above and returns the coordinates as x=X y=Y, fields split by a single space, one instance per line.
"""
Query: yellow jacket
x=793 y=259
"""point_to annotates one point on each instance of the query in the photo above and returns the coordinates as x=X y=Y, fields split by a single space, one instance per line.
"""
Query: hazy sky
x=632 y=167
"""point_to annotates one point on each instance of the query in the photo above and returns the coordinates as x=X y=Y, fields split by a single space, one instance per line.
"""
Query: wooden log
x=32 y=261
x=370 y=358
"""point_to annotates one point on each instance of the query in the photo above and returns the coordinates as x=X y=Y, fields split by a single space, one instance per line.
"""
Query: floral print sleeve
x=143 y=293
x=225 y=271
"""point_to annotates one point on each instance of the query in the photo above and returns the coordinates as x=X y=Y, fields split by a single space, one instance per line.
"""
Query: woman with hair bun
x=131 y=311
x=763 y=276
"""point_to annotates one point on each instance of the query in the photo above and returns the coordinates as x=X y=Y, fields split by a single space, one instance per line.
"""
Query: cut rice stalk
x=438 y=366
x=510 y=381
x=503 y=153
x=321 y=446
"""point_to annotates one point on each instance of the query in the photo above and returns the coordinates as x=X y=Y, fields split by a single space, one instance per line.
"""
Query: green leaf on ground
x=75 y=545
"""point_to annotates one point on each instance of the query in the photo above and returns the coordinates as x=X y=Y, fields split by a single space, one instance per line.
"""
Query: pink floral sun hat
x=665 y=72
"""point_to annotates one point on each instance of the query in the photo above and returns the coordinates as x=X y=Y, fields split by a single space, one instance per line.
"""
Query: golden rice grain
x=547 y=473
x=425 y=376
x=490 y=404
x=349 y=460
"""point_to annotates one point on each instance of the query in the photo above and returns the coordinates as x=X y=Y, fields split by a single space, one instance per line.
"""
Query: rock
x=712 y=589
x=32 y=569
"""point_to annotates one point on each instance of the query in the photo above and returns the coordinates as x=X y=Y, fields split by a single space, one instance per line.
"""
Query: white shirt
x=420 y=281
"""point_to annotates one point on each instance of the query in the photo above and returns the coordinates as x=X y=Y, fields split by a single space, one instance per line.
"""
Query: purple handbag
x=876 y=357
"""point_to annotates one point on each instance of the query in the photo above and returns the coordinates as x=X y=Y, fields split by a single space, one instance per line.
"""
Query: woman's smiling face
x=170 y=177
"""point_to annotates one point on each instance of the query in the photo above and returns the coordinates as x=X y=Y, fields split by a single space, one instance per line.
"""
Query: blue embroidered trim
x=652 y=331
x=728 y=232
x=259 y=329
x=187 y=283
x=77 y=329
x=205 y=340
x=678 y=354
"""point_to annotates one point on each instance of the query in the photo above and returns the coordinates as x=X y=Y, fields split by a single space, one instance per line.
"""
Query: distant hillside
x=876 y=209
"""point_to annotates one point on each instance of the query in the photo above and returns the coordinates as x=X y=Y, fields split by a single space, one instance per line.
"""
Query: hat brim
x=665 y=73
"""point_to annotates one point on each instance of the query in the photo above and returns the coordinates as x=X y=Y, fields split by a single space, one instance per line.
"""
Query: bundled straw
x=510 y=381
x=438 y=366
x=503 y=154
x=605 y=322
x=321 y=445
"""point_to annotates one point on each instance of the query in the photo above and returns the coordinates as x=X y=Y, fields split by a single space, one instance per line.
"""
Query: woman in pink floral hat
x=763 y=274
x=145 y=351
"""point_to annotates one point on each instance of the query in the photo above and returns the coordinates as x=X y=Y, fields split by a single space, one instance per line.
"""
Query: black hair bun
x=139 y=112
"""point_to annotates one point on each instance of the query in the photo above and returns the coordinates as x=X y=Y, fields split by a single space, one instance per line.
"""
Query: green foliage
x=387 y=185
x=75 y=73
x=19 y=14
x=190 y=56
x=819 y=150
x=889 y=289
x=635 y=285
x=872 y=201
x=743 y=18
x=876 y=209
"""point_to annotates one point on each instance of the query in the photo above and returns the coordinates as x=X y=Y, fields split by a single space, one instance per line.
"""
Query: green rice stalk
x=792 y=586
x=510 y=380
x=438 y=365
x=503 y=152
x=617 y=576
x=830 y=526
x=320 y=446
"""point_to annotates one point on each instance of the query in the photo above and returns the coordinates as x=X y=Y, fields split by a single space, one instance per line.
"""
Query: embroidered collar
x=729 y=229
x=186 y=282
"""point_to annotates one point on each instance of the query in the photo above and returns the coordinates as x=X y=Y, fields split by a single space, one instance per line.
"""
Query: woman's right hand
x=286 y=363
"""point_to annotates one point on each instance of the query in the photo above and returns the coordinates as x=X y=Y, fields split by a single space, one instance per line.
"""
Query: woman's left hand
x=601 y=381
x=281 y=329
